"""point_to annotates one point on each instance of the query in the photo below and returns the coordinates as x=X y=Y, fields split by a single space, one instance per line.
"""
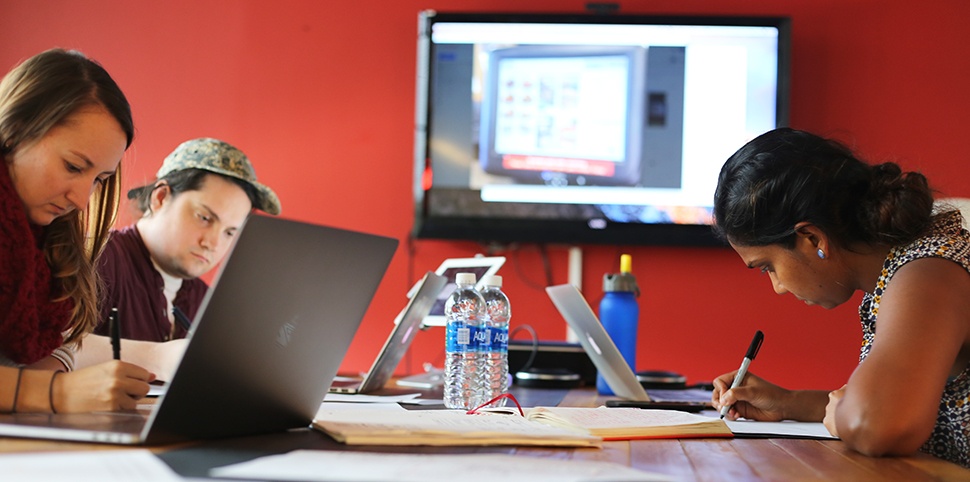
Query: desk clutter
x=312 y=454
x=543 y=426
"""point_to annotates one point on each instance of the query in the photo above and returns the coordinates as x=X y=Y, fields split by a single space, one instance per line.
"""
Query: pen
x=115 y=328
x=181 y=319
x=752 y=352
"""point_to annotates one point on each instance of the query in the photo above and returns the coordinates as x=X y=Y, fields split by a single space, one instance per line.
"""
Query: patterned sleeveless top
x=946 y=239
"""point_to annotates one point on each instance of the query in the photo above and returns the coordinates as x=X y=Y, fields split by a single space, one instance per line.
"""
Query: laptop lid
x=482 y=266
x=399 y=340
x=597 y=342
x=610 y=363
x=268 y=338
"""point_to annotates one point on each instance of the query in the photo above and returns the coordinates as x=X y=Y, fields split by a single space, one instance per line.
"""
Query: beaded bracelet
x=16 y=390
x=50 y=391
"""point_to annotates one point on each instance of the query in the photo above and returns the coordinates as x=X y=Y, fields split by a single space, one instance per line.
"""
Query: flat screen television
x=574 y=129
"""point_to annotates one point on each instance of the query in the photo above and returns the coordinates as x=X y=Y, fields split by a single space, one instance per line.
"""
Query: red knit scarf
x=31 y=325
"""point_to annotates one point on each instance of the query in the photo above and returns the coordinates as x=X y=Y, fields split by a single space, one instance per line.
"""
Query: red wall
x=320 y=95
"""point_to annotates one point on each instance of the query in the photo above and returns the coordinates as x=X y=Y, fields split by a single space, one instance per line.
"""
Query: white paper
x=87 y=466
x=318 y=465
x=786 y=428
x=423 y=401
x=328 y=407
x=360 y=398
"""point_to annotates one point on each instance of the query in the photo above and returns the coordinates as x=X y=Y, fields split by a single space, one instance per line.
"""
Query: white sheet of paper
x=327 y=407
x=360 y=398
x=88 y=466
x=786 y=428
x=318 y=465
x=423 y=401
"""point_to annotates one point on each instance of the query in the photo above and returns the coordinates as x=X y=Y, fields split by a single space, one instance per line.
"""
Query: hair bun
x=902 y=203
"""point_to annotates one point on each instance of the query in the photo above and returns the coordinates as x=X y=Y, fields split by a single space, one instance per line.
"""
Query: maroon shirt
x=134 y=286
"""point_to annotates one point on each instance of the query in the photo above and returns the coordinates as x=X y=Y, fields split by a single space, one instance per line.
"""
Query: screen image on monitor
x=587 y=128
x=557 y=114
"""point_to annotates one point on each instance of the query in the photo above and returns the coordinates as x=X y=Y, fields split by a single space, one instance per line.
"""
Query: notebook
x=398 y=341
x=266 y=342
x=607 y=358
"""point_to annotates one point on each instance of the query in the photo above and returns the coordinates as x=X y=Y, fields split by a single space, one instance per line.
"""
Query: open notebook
x=398 y=341
x=268 y=339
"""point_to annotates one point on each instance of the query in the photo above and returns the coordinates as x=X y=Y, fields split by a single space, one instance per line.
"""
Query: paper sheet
x=88 y=466
x=327 y=407
x=360 y=398
x=787 y=428
x=318 y=465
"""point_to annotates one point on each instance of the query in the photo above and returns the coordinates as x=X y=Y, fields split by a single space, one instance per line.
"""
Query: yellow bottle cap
x=626 y=263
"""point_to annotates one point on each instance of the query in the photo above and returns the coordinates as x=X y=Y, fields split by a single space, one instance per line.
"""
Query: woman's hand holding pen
x=114 y=385
x=755 y=399
x=758 y=399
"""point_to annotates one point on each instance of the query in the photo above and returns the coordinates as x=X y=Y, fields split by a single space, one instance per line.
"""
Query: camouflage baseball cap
x=222 y=158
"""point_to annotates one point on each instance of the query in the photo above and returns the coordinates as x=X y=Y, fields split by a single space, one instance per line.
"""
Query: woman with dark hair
x=64 y=127
x=822 y=225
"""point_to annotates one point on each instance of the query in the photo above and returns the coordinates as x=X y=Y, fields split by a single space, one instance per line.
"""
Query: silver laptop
x=607 y=358
x=398 y=341
x=266 y=342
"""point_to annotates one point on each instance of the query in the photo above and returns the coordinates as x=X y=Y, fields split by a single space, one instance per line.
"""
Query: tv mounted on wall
x=573 y=129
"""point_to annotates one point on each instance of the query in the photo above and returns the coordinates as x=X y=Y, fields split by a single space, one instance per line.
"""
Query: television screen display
x=587 y=128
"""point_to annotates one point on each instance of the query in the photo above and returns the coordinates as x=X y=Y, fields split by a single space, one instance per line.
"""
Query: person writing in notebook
x=203 y=193
x=64 y=127
x=822 y=224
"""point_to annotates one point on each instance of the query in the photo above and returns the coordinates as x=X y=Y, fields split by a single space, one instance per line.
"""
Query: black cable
x=535 y=344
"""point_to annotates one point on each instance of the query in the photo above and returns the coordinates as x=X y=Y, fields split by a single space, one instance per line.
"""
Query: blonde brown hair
x=40 y=93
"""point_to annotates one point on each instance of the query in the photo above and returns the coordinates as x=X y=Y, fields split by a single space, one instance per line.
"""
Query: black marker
x=114 y=325
x=752 y=352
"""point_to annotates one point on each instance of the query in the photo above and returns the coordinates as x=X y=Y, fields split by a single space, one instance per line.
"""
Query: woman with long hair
x=64 y=128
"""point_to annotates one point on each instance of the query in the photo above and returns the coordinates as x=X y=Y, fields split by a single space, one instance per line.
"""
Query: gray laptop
x=607 y=358
x=268 y=339
x=398 y=341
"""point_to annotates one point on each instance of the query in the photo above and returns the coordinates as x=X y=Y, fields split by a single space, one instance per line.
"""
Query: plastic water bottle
x=620 y=314
x=496 y=346
x=464 y=311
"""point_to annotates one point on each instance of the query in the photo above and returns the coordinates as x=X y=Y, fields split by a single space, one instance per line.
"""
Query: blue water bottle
x=620 y=314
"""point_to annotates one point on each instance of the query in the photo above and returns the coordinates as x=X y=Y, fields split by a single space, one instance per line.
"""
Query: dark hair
x=187 y=180
x=37 y=95
x=786 y=176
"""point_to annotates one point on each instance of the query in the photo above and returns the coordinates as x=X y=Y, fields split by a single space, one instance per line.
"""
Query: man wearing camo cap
x=202 y=194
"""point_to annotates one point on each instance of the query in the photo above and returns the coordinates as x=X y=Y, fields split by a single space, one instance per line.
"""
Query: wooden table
x=736 y=459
